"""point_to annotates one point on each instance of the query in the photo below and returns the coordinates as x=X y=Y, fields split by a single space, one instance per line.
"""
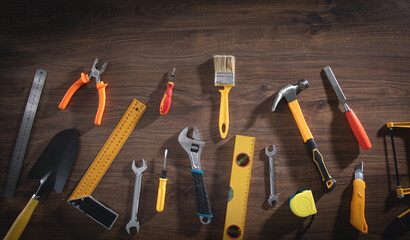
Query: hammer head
x=289 y=92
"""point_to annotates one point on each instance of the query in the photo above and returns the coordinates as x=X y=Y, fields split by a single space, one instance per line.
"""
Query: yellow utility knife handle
x=161 y=194
x=21 y=221
x=224 y=112
x=357 y=218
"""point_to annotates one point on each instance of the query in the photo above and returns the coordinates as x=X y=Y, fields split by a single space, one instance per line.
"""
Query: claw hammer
x=289 y=93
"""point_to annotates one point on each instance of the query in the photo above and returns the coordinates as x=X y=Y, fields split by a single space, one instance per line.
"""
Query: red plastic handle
x=70 y=92
x=101 y=102
x=358 y=130
x=166 y=100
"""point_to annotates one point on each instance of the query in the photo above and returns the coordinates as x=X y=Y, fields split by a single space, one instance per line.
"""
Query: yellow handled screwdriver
x=162 y=186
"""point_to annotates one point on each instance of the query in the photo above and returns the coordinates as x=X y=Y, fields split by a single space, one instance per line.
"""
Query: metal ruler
x=24 y=133
x=81 y=197
x=239 y=187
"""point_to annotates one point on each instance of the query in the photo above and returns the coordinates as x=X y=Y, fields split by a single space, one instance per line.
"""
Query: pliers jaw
x=95 y=72
x=193 y=146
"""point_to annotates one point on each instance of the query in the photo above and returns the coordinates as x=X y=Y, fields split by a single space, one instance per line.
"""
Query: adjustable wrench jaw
x=193 y=147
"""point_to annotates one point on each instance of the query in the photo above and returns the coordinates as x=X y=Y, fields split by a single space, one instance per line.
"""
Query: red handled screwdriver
x=166 y=100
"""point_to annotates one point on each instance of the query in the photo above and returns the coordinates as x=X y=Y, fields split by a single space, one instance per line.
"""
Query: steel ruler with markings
x=239 y=187
x=81 y=197
x=24 y=133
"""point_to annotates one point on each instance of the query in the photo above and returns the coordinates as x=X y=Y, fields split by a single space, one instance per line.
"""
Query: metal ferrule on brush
x=224 y=78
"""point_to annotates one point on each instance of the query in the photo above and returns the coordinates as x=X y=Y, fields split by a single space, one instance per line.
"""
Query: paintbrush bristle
x=224 y=63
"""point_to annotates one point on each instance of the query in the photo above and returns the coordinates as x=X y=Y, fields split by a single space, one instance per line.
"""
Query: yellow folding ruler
x=239 y=187
x=81 y=197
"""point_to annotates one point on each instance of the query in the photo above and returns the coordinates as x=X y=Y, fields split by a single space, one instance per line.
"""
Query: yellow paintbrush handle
x=357 y=218
x=161 y=194
x=21 y=221
x=224 y=112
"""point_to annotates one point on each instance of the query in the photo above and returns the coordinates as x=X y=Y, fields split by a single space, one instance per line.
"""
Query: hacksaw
x=239 y=187
x=24 y=133
x=81 y=197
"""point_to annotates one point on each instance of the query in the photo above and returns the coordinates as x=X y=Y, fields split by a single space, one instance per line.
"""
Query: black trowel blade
x=54 y=164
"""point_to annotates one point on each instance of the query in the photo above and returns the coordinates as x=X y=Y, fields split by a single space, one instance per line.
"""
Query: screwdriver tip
x=165 y=158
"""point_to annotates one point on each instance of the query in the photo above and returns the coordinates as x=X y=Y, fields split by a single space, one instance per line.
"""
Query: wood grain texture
x=367 y=44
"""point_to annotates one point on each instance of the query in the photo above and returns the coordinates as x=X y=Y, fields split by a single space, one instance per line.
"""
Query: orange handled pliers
x=84 y=79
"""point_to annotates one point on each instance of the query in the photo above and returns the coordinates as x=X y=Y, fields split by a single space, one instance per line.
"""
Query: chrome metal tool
x=24 y=133
x=193 y=146
x=271 y=154
x=137 y=192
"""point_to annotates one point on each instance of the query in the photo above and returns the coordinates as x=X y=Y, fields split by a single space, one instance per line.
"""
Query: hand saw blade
x=24 y=133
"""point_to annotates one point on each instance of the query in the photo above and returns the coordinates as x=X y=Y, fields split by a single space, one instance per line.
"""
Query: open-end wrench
x=193 y=146
x=271 y=154
x=135 y=202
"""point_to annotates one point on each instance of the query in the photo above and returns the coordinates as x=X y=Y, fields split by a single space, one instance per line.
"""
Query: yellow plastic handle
x=161 y=194
x=70 y=92
x=224 y=112
x=357 y=218
x=21 y=221
x=300 y=120
x=101 y=102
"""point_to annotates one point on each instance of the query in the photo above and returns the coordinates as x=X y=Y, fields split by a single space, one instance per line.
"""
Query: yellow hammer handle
x=161 y=194
x=21 y=221
x=224 y=112
x=357 y=218
x=300 y=120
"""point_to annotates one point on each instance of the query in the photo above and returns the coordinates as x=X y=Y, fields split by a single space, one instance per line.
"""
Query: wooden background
x=367 y=43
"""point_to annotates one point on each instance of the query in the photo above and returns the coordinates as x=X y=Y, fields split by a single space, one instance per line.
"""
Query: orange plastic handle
x=358 y=130
x=357 y=218
x=101 y=102
x=70 y=92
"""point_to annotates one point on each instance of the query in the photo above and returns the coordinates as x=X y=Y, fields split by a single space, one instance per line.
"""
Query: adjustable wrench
x=135 y=202
x=271 y=154
x=194 y=148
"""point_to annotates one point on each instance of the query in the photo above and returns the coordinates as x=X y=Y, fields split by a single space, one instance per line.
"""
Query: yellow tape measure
x=239 y=187
x=110 y=150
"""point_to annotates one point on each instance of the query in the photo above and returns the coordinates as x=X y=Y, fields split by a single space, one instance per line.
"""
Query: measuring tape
x=24 y=133
x=239 y=187
x=81 y=197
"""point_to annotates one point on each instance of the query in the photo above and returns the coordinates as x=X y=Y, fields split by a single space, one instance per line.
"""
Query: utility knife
x=357 y=218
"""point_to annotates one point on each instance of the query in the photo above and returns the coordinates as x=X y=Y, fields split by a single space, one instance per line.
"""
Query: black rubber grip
x=327 y=181
x=203 y=206
x=163 y=173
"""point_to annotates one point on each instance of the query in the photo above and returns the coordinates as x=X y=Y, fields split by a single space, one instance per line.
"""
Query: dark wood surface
x=367 y=44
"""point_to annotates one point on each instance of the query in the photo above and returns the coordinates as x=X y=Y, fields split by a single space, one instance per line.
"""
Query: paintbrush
x=224 y=77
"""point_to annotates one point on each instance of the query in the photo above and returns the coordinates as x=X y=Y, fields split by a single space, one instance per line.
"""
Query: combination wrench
x=137 y=191
x=271 y=154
